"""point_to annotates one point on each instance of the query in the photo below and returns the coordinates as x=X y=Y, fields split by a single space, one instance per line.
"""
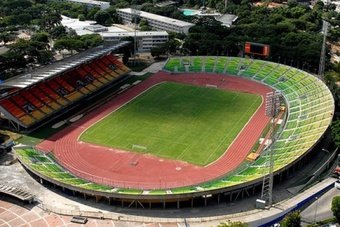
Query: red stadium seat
x=45 y=98
x=42 y=99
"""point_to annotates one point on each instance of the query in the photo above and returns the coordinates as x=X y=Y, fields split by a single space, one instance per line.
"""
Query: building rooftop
x=163 y=19
x=92 y=2
x=81 y=27
x=89 y=27
x=138 y=34
x=43 y=73
x=227 y=19
x=165 y=3
x=96 y=28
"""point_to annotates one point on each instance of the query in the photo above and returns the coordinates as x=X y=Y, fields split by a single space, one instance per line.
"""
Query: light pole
x=316 y=209
x=325 y=150
x=135 y=14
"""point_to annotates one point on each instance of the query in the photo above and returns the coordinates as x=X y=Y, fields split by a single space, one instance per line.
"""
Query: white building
x=89 y=3
x=155 y=21
x=145 y=40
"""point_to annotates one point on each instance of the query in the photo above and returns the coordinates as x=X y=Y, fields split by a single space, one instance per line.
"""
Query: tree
x=41 y=37
x=158 y=51
x=91 y=40
x=173 y=45
x=292 y=219
x=336 y=208
x=336 y=132
x=50 y=21
x=292 y=3
x=68 y=43
x=44 y=56
x=58 y=32
x=6 y=37
x=102 y=17
x=144 y=25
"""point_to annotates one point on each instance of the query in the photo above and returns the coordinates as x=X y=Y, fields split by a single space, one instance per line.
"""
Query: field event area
x=177 y=121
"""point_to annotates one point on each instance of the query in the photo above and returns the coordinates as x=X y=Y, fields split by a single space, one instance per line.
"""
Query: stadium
x=183 y=136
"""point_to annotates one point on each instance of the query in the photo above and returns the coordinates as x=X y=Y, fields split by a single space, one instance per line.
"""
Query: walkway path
x=14 y=216
x=153 y=68
x=321 y=208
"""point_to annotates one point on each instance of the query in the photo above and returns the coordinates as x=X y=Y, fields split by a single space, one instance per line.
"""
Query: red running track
x=120 y=168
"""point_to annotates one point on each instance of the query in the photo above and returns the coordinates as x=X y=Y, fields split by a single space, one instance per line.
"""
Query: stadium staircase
x=16 y=192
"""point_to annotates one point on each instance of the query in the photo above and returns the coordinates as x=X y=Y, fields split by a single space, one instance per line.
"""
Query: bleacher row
x=310 y=106
x=41 y=100
x=45 y=165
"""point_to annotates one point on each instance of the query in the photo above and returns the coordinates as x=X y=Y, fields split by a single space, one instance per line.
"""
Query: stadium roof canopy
x=43 y=73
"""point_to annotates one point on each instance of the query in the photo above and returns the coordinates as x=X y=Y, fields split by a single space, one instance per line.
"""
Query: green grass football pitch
x=177 y=121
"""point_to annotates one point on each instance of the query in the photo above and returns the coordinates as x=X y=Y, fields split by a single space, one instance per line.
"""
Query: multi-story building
x=89 y=3
x=155 y=21
x=145 y=40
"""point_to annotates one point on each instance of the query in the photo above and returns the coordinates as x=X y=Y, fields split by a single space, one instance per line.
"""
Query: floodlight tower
x=272 y=109
x=325 y=24
x=323 y=50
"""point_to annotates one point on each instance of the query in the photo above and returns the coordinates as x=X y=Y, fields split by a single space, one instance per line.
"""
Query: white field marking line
x=233 y=128
x=198 y=139
x=119 y=113
x=119 y=108
x=250 y=119
x=189 y=145
x=159 y=138
x=213 y=126
x=117 y=134
x=171 y=139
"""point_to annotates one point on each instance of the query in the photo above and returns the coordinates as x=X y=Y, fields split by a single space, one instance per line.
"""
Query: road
x=321 y=208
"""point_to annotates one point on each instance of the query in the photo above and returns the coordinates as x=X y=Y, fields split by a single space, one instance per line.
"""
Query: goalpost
x=211 y=85
x=139 y=147
x=135 y=159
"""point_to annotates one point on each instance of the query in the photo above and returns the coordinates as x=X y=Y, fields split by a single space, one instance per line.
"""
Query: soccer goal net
x=138 y=147
x=211 y=85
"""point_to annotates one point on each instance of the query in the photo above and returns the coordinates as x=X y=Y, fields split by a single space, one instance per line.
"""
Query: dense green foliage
x=40 y=23
x=336 y=132
x=292 y=32
x=292 y=219
x=148 y=121
x=78 y=43
x=24 y=13
x=336 y=208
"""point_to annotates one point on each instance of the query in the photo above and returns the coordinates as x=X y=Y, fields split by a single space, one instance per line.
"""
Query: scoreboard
x=257 y=49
